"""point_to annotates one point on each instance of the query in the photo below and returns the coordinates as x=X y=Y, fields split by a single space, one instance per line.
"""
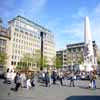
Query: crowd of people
x=23 y=80
x=20 y=79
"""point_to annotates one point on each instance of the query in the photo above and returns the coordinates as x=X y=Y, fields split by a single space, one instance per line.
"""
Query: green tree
x=98 y=58
x=80 y=59
x=98 y=61
x=57 y=62
x=3 y=59
x=39 y=61
x=26 y=61
x=37 y=57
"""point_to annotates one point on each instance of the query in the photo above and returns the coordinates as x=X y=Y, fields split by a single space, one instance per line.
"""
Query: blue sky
x=65 y=18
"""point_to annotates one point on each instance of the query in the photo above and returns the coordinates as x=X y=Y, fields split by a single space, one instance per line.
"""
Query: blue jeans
x=94 y=84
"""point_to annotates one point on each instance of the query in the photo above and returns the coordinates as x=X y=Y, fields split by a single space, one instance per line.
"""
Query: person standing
x=61 y=77
x=28 y=83
x=50 y=80
x=23 y=80
x=72 y=80
x=91 y=79
x=54 y=77
x=94 y=81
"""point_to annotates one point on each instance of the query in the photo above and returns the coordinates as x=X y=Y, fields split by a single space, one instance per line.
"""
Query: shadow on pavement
x=83 y=98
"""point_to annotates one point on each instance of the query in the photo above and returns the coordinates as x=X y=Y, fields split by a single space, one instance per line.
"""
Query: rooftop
x=78 y=44
x=43 y=28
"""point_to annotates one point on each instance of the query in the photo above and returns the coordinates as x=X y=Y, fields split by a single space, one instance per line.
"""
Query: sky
x=65 y=18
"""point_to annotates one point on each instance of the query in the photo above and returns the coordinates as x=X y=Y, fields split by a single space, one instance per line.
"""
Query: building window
x=14 y=33
x=16 y=29
x=12 y=57
x=22 y=31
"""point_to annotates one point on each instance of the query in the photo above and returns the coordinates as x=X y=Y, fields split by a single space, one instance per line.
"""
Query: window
x=16 y=29
x=12 y=57
x=22 y=31
x=74 y=49
x=14 y=33
x=12 y=63
x=15 y=57
x=64 y=55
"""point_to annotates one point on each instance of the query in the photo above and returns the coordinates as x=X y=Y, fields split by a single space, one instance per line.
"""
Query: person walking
x=47 y=80
x=28 y=82
x=17 y=81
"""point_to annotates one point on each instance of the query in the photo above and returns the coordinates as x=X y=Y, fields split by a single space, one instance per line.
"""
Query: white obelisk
x=88 y=48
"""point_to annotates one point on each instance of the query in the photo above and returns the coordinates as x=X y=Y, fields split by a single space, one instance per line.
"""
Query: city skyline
x=64 y=18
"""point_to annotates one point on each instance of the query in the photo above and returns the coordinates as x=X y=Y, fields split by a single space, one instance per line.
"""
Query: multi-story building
x=26 y=38
x=74 y=55
x=4 y=41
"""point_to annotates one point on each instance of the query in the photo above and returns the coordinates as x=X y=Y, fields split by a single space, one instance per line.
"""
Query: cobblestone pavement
x=55 y=92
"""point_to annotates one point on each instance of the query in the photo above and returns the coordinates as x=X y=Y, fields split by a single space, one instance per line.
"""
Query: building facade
x=26 y=38
x=73 y=55
x=4 y=42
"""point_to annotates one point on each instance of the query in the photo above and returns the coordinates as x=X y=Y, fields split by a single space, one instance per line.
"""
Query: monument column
x=88 y=47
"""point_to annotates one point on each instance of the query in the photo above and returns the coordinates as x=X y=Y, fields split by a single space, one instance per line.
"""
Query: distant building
x=26 y=38
x=74 y=55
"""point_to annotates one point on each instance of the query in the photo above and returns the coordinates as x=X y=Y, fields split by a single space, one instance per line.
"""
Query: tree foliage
x=98 y=58
x=39 y=61
x=26 y=61
x=3 y=58
x=57 y=62
x=80 y=59
x=30 y=59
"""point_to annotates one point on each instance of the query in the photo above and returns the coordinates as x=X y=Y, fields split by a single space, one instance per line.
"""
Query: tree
x=98 y=61
x=57 y=62
x=98 y=58
x=80 y=58
x=26 y=61
x=3 y=59
x=37 y=57
x=39 y=61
